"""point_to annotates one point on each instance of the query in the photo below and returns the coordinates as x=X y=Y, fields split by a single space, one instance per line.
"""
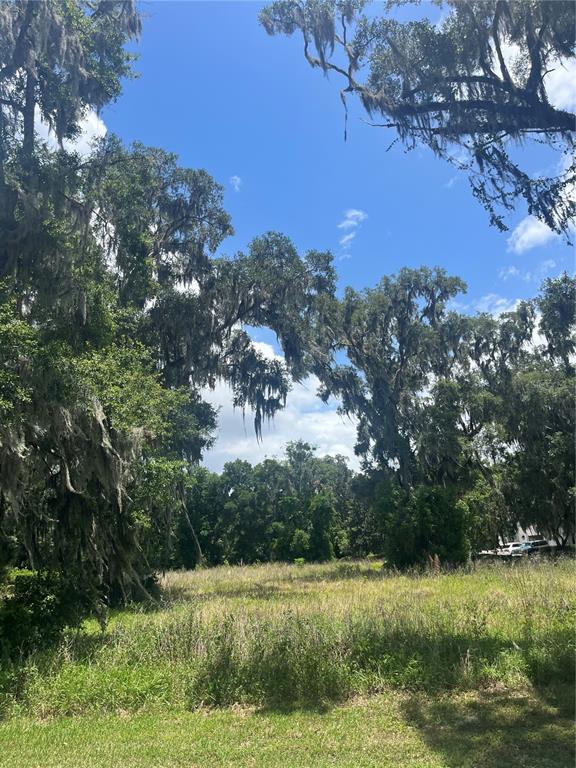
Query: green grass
x=466 y=668
x=393 y=730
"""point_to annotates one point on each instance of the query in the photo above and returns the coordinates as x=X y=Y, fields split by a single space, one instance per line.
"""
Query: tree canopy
x=470 y=87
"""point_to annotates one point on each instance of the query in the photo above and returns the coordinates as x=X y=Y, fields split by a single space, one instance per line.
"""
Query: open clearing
x=328 y=665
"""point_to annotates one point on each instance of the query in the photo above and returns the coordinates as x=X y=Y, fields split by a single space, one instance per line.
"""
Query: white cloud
x=347 y=239
x=559 y=80
x=530 y=233
x=507 y=272
x=305 y=417
x=494 y=304
x=561 y=84
x=235 y=183
x=352 y=218
x=91 y=127
x=266 y=350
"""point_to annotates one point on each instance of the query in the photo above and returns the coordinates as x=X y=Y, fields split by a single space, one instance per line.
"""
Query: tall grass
x=286 y=635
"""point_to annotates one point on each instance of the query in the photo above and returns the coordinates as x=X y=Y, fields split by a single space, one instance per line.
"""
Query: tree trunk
x=29 y=110
x=200 y=559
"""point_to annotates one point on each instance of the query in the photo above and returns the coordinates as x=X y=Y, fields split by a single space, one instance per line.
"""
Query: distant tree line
x=302 y=506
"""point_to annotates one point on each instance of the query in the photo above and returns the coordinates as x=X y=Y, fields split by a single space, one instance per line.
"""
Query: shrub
x=36 y=609
x=300 y=545
x=428 y=522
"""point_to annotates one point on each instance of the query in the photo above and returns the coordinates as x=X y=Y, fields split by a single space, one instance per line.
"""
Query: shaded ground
x=470 y=730
x=498 y=729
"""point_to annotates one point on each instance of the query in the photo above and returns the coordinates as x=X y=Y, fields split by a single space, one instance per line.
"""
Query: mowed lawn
x=329 y=665
x=473 y=730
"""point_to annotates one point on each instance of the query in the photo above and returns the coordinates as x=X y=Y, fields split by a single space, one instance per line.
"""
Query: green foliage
x=18 y=345
x=485 y=510
x=300 y=545
x=36 y=609
x=540 y=475
x=398 y=337
x=322 y=514
x=114 y=313
x=275 y=511
x=557 y=303
x=429 y=522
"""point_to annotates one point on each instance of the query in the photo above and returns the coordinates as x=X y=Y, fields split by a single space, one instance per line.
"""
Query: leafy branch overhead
x=472 y=87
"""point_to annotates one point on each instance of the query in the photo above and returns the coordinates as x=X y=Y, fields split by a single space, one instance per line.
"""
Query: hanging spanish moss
x=471 y=88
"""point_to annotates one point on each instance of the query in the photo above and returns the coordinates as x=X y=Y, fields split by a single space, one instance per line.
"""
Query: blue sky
x=223 y=95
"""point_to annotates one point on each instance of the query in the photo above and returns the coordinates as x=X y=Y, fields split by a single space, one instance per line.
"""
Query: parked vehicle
x=511 y=549
x=535 y=546
x=517 y=549
x=487 y=553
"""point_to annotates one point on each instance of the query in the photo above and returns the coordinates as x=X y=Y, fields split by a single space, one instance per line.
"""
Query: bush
x=300 y=545
x=426 y=523
x=36 y=609
x=322 y=513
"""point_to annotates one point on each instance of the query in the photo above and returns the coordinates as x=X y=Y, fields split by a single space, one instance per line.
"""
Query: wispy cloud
x=235 y=183
x=352 y=218
x=454 y=305
x=530 y=233
x=494 y=304
x=347 y=239
x=547 y=265
x=535 y=275
x=451 y=182
x=508 y=272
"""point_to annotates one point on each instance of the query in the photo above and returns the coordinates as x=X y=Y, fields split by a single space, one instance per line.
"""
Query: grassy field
x=340 y=664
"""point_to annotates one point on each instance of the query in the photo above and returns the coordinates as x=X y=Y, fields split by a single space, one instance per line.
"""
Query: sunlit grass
x=396 y=729
x=306 y=635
